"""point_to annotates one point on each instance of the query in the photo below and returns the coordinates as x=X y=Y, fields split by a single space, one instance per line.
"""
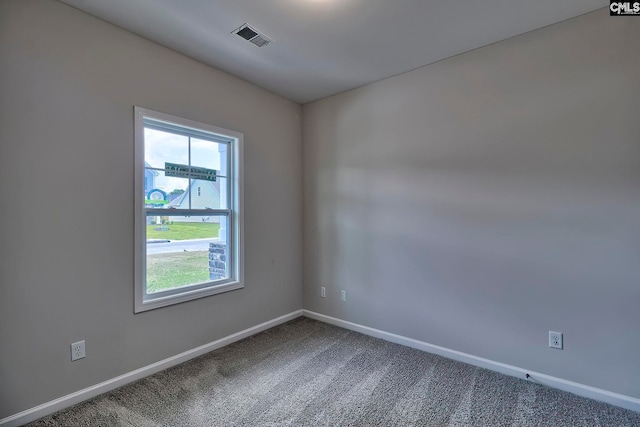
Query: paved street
x=179 y=246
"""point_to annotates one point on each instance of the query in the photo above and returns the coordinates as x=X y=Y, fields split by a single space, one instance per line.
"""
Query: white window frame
x=145 y=301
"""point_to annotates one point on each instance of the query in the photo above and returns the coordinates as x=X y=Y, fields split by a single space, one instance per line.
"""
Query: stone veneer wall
x=217 y=261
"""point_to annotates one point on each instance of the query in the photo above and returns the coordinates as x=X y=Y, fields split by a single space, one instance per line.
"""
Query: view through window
x=187 y=210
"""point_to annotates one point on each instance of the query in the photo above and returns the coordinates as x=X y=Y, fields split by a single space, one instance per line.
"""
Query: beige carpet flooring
x=307 y=373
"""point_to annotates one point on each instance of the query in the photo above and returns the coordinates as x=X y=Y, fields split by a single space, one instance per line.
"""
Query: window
x=188 y=218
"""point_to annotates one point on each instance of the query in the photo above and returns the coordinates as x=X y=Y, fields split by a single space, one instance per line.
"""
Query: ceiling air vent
x=252 y=35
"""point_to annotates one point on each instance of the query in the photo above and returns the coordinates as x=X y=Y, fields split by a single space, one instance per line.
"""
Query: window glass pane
x=219 y=261
x=161 y=147
x=208 y=154
x=165 y=192
x=209 y=194
x=176 y=189
x=224 y=193
x=186 y=251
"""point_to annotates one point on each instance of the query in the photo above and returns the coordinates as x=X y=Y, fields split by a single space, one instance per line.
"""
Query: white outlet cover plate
x=553 y=342
x=77 y=350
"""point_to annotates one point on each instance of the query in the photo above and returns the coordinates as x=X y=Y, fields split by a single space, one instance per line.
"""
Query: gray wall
x=479 y=202
x=68 y=84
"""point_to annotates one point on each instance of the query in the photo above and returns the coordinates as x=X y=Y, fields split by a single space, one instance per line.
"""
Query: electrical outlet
x=77 y=350
x=555 y=340
x=344 y=295
x=323 y=291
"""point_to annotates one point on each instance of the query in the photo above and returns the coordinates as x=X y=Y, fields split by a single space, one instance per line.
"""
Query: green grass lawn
x=183 y=231
x=172 y=270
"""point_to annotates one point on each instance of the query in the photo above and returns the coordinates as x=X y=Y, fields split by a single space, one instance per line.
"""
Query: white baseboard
x=583 y=390
x=103 y=387
x=89 y=392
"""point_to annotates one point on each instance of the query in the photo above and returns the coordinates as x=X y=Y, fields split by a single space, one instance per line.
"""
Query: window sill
x=153 y=303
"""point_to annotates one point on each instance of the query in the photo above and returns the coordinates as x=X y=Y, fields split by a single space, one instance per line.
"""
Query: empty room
x=319 y=213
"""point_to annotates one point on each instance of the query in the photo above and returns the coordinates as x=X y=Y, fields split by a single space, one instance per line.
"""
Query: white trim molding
x=583 y=390
x=103 y=387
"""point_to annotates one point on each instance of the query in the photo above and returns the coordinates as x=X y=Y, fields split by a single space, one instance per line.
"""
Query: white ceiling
x=323 y=47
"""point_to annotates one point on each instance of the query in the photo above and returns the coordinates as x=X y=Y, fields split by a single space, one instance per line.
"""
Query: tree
x=177 y=191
